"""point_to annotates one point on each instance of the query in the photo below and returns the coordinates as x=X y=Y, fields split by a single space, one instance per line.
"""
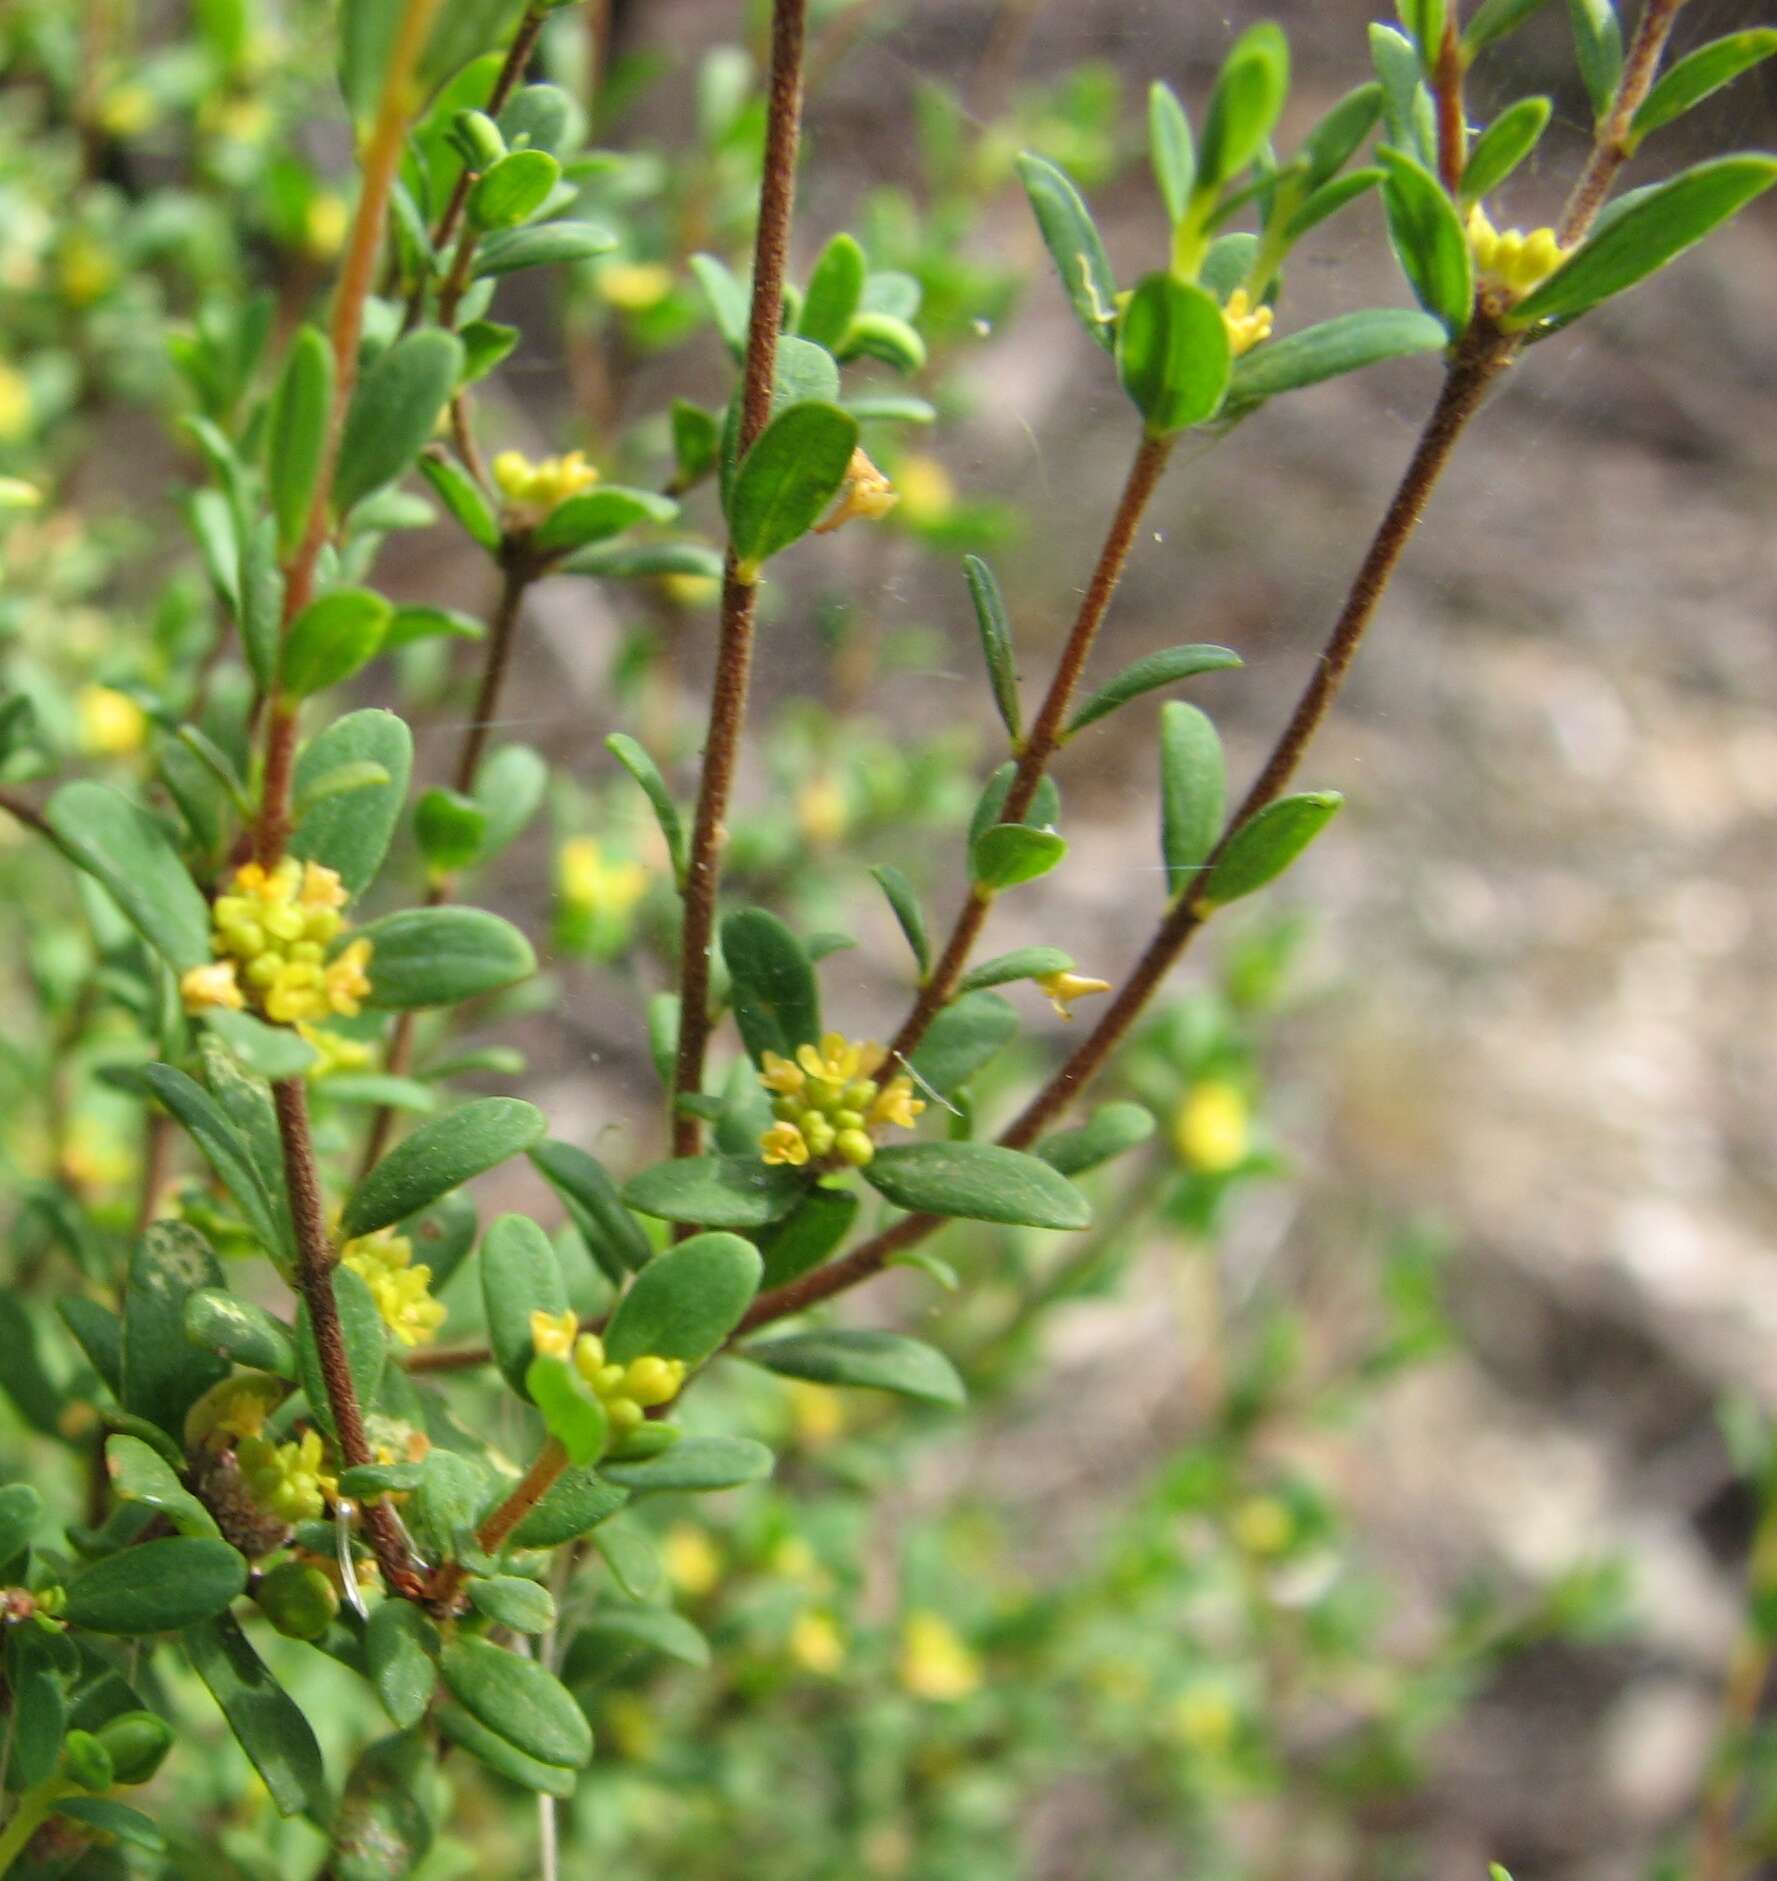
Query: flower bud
x=298 y=1599
x=87 y=1761
x=137 y=1743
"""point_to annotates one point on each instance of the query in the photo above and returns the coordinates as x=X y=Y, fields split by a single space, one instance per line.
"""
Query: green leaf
x=463 y=497
x=438 y=956
x=1598 y=45
x=350 y=833
x=727 y=299
x=1262 y=848
x=1346 y=343
x=1173 y=354
x=1012 y=853
x=1334 y=140
x=685 y=1302
x=99 y=1334
x=223 y=1323
x=1505 y=143
x=1074 y=245
x=714 y=1192
x=786 y=480
x=880 y=1361
x=613 y=1236
x=1656 y=228
x=598 y=514
x=835 y=288
x=1245 y=105
x=545 y=245
x=401 y=1652
x=643 y=769
x=777 y=1005
x=1409 y=118
x=517 y=1700
x=904 y=901
x=114 y=1819
x=21 y=1509
x=485 y=344
x=331 y=639
x=1113 y=1130
x=246 y=1107
x=510 y=785
x=977 y=1182
x=1022 y=963
x=1424 y=19
x=1165 y=668
x=520 y=1275
x=1494 y=19
x=881 y=336
x=156 y=1586
x=162 y=1376
x=503 y=1758
x=362 y=775
x=442 y=1234
x=450 y=829
x=267 y=1051
x=394 y=412
x=963 y=1037
x=297 y=434
x=1044 y=811
x=697 y=439
x=139 y=1474
x=263 y=1716
x=695 y=1465
x=511 y=191
x=441 y=1154
x=1328 y=200
x=510 y=1600
x=578 y=1503
x=612 y=1635
x=1170 y=149
x=572 y=1413
x=132 y=856
x=363 y=1335
x=807 y=1235
x=1700 y=75
x=628 y=1550
x=1429 y=240
x=996 y=641
x=384 y=1826
x=1193 y=791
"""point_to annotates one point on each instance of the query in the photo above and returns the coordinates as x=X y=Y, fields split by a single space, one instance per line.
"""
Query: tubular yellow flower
x=829 y=1102
x=212 y=985
x=928 y=493
x=335 y=1051
x=288 y=1480
x=1247 y=325
x=346 y=982
x=783 y=1143
x=633 y=286
x=588 y=879
x=552 y=1334
x=866 y=493
x=112 y=724
x=895 y=1104
x=781 y=1075
x=1064 y=988
x=1212 y=1131
x=273 y=930
x=816 y=1643
x=936 y=1662
x=692 y=1562
x=402 y=1291
x=1508 y=260
x=532 y=490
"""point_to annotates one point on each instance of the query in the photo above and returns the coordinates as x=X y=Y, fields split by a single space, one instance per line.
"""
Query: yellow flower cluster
x=1509 y=259
x=628 y=1392
x=532 y=490
x=334 y=1051
x=288 y=1480
x=827 y=1101
x=588 y=879
x=1247 y=325
x=402 y=1291
x=273 y=932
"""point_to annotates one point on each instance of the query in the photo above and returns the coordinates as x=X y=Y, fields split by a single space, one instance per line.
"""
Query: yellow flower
x=93 y=1158
x=532 y=490
x=631 y=1727
x=335 y=1051
x=127 y=110
x=587 y=879
x=212 y=985
x=828 y=1102
x=1064 y=988
x=347 y=984
x=783 y=1143
x=15 y=406
x=936 y=1662
x=928 y=495
x=822 y=811
x=1509 y=260
x=817 y=1644
x=234 y=1409
x=86 y=271
x=112 y=724
x=552 y=1334
x=781 y=1075
x=629 y=1391
x=321 y=888
x=402 y=1291
x=1212 y=1131
x=324 y=224
x=288 y=1480
x=1247 y=325
x=1263 y=1525
x=693 y=1564
x=817 y=1411
x=634 y=286
x=895 y=1104
x=866 y=492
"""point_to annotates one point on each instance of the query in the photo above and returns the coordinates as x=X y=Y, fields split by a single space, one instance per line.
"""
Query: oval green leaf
x=517 y=1700
x=441 y=1154
x=1261 y=849
x=156 y=1587
x=977 y=1182
x=438 y=956
x=685 y=1302
x=787 y=479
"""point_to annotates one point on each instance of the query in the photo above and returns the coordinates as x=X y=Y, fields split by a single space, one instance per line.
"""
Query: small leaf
x=727 y=299
x=1173 y=353
x=140 y=1474
x=267 y=1051
x=401 y=1651
x=613 y=1236
x=156 y=1586
x=1429 y=240
x=612 y=1635
x=438 y=956
x=1505 y=143
x=685 y=1302
x=775 y=999
x=297 y=434
x=1165 y=668
x=578 y=1503
x=1244 y=107
x=394 y=411
x=512 y=190
x=964 y=1036
x=545 y=245
x=628 y=1550
x=132 y=856
x=835 y=288
x=881 y=336
x=99 y=1333
x=223 y=1323
x=598 y=514
x=903 y=899
x=510 y=785
x=331 y=639
x=714 y=1192
x=263 y=1716
x=1113 y=1130
x=996 y=642
x=1334 y=140
x=1657 y=227
x=1009 y=854
x=646 y=773
x=572 y=1413
x=1261 y=849
x=450 y=829
x=881 y=1361
x=520 y=1275
x=695 y=1465
x=503 y=1758
x=1598 y=45
x=21 y=1509
x=977 y=1182
x=1346 y=343
x=350 y=833
x=364 y=774
x=1074 y=244
x=805 y=1237
x=1494 y=19
x=162 y=1376
x=114 y=1819
x=787 y=479
x=363 y=1335
x=1022 y=963
x=1170 y=149
x=441 y=1154
x=463 y=497
x=1700 y=75
x=518 y=1700
x=1193 y=791
x=510 y=1600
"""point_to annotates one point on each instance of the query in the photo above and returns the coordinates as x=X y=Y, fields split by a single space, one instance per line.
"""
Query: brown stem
x=734 y=649
x=157 y=1162
x=314 y=1279
x=26 y=812
x=446 y=1585
x=1044 y=737
x=1610 y=145
x=1452 y=125
x=1718 y=1855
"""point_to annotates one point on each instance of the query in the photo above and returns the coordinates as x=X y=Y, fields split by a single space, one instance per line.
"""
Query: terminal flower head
x=1508 y=261
x=272 y=931
x=829 y=1102
x=1247 y=324
x=402 y=1291
x=533 y=489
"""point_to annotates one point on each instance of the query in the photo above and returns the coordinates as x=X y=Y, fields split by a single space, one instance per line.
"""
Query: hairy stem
x=1044 y=737
x=1447 y=91
x=734 y=648
x=492 y=1535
